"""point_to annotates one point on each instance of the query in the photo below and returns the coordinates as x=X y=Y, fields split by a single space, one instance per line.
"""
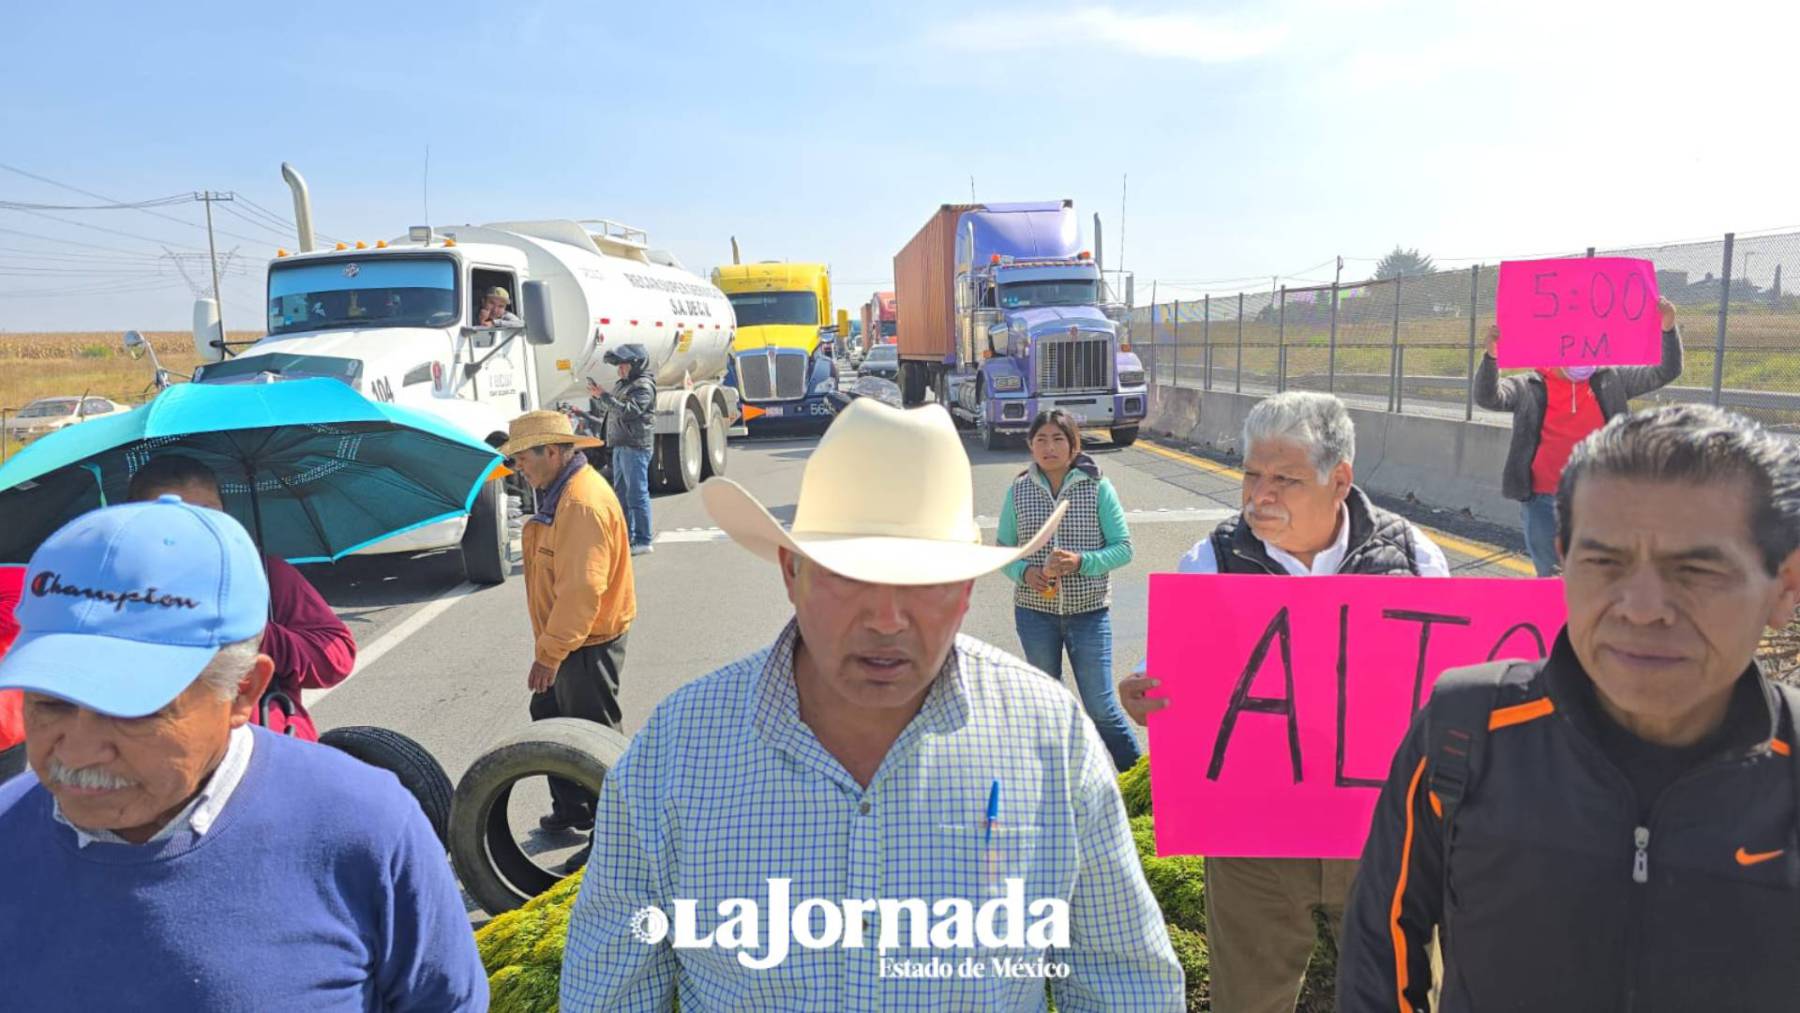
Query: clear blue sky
x=1259 y=138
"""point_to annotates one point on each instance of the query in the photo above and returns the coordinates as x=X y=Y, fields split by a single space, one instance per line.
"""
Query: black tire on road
x=716 y=444
x=12 y=761
x=419 y=773
x=675 y=467
x=493 y=868
x=912 y=384
x=991 y=437
x=485 y=542
x=1124 y=436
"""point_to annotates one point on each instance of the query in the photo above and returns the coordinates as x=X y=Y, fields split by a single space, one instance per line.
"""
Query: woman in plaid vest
x=1060 y=602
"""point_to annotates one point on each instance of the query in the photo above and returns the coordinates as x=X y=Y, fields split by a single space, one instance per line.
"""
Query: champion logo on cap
x=125 y=606
x=48 y=583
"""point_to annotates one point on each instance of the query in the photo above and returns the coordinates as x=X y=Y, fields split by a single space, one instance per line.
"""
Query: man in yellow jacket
x=578 y=589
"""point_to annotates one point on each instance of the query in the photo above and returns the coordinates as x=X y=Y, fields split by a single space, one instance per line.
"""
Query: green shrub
x=1134 y=785
x=1177 y=881
x=1190 y=949
x=523 y=950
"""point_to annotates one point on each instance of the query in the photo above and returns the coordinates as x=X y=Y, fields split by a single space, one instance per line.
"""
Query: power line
x=101 y=196
x=13 y=205
x=73 y=242
x=99 y=228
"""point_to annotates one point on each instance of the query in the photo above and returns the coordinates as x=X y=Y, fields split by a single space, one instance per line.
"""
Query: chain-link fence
x=1411 y=343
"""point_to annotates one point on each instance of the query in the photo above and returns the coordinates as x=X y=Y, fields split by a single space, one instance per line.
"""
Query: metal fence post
x=1206 y=342
x=1239 y=383
x=1175 y=316
x=1331 y=354
x=1400 y=389
x=1474 y=305
x=1724 y=314
x=1281 y=343
x=1394 y=353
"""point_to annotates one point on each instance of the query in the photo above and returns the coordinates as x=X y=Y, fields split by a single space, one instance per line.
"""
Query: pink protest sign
x=1590 y=311
x=1288 y=696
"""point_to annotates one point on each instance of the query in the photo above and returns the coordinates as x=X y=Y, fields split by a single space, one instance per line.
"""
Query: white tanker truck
x=398 y=321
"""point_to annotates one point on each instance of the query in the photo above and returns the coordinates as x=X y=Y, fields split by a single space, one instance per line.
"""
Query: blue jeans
x=631 y=480
x=1088 y=639
x=1539 y=514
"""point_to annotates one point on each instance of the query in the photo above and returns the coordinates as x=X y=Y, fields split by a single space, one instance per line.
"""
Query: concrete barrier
x=1445 y=463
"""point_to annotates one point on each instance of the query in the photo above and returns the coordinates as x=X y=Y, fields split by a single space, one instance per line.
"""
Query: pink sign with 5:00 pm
x=1588 y=311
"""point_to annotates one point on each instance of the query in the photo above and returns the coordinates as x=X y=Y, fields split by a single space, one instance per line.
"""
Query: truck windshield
x=1074 y=292
x=376 y=292
x=890 y=328
x=759 y=309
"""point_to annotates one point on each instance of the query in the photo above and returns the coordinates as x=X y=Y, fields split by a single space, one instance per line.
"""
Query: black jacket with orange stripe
x=1547 y=903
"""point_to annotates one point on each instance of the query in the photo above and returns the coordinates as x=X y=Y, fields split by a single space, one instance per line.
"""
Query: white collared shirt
x=1427 y=557
x=200 y=812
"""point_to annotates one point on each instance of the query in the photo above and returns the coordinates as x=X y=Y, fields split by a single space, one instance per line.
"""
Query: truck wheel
x=421 y=775
x=912 y=384
x=493 y=868
x=676 y=467
x=1124 y=436
x=486 y=541
x=717 y=437
x=991 y=438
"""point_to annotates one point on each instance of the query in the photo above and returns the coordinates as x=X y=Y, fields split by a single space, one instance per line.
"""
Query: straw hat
x=887 y=498
x=540 y=428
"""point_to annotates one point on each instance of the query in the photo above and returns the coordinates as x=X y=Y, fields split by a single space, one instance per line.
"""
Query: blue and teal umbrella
x=312 y=468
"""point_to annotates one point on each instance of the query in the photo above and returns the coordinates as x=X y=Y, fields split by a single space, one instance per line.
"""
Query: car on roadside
x=48 y=414
x=882 y=361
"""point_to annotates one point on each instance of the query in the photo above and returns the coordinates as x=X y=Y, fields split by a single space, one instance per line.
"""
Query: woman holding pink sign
x=1063 y=595
x=1553 y=409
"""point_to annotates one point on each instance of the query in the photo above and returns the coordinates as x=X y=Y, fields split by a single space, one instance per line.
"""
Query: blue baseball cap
x=125 y=606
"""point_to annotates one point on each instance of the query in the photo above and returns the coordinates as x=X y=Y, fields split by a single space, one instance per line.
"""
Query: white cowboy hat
x=887 y=498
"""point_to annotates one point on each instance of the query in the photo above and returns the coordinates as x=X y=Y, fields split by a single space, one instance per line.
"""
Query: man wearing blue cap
x=146 y=841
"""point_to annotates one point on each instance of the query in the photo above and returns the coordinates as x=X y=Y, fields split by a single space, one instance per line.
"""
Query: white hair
x=1318 y=422
x=230 y=665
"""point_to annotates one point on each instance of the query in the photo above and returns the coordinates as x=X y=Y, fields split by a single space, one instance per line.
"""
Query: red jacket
x=12 y=702
x=310 y=645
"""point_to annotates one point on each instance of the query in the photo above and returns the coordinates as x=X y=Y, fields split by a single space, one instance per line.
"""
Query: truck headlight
x=1131 y=378
x=1008 y=383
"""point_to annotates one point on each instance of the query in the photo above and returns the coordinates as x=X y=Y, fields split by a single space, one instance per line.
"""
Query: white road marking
x=369 y=655
x=1210 y=515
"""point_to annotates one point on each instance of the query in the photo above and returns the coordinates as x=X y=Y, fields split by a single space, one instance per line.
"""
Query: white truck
x=398 y=321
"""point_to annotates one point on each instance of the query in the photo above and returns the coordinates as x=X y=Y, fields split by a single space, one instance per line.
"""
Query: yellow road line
x=1504 y=558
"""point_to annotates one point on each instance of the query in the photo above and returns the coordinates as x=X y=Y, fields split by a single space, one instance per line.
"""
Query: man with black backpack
x=1613 y=827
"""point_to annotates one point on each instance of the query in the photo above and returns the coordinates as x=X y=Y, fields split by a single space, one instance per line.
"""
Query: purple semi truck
x=1006 y=316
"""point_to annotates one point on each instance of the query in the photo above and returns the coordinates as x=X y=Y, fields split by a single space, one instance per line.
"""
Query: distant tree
x=1407 y=263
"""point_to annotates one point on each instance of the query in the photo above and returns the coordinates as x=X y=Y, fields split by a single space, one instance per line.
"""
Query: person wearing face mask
x=1553 y=410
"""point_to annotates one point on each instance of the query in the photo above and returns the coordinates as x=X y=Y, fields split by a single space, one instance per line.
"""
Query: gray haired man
x=1302 y=516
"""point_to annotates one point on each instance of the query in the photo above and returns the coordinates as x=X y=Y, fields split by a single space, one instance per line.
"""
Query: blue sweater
x=319 y=887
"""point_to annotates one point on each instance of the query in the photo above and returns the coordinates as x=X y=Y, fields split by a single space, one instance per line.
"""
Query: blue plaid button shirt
x=725 y=788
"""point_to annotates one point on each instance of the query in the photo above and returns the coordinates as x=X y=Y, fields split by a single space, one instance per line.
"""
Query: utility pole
x=212 y=255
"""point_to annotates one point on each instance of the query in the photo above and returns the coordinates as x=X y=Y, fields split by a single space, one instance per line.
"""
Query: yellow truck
x=782 y=361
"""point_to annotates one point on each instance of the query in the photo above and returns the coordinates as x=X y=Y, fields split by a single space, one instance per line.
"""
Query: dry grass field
x=34 y=365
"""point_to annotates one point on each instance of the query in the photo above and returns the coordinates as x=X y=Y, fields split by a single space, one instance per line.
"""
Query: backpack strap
x=1791 y=728
x=1456 y=732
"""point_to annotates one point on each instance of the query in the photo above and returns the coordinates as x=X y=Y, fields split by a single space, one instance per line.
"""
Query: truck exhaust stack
x=302 y=206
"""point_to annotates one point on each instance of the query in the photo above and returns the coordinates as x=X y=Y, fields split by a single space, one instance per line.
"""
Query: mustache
x=91 y=778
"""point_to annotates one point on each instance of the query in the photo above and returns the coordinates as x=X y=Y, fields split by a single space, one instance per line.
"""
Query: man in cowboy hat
x=578 y=590
x=875 y=777
x=496 y=310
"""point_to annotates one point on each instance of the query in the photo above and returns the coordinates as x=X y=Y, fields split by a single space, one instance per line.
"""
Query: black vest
x=1380 y=542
